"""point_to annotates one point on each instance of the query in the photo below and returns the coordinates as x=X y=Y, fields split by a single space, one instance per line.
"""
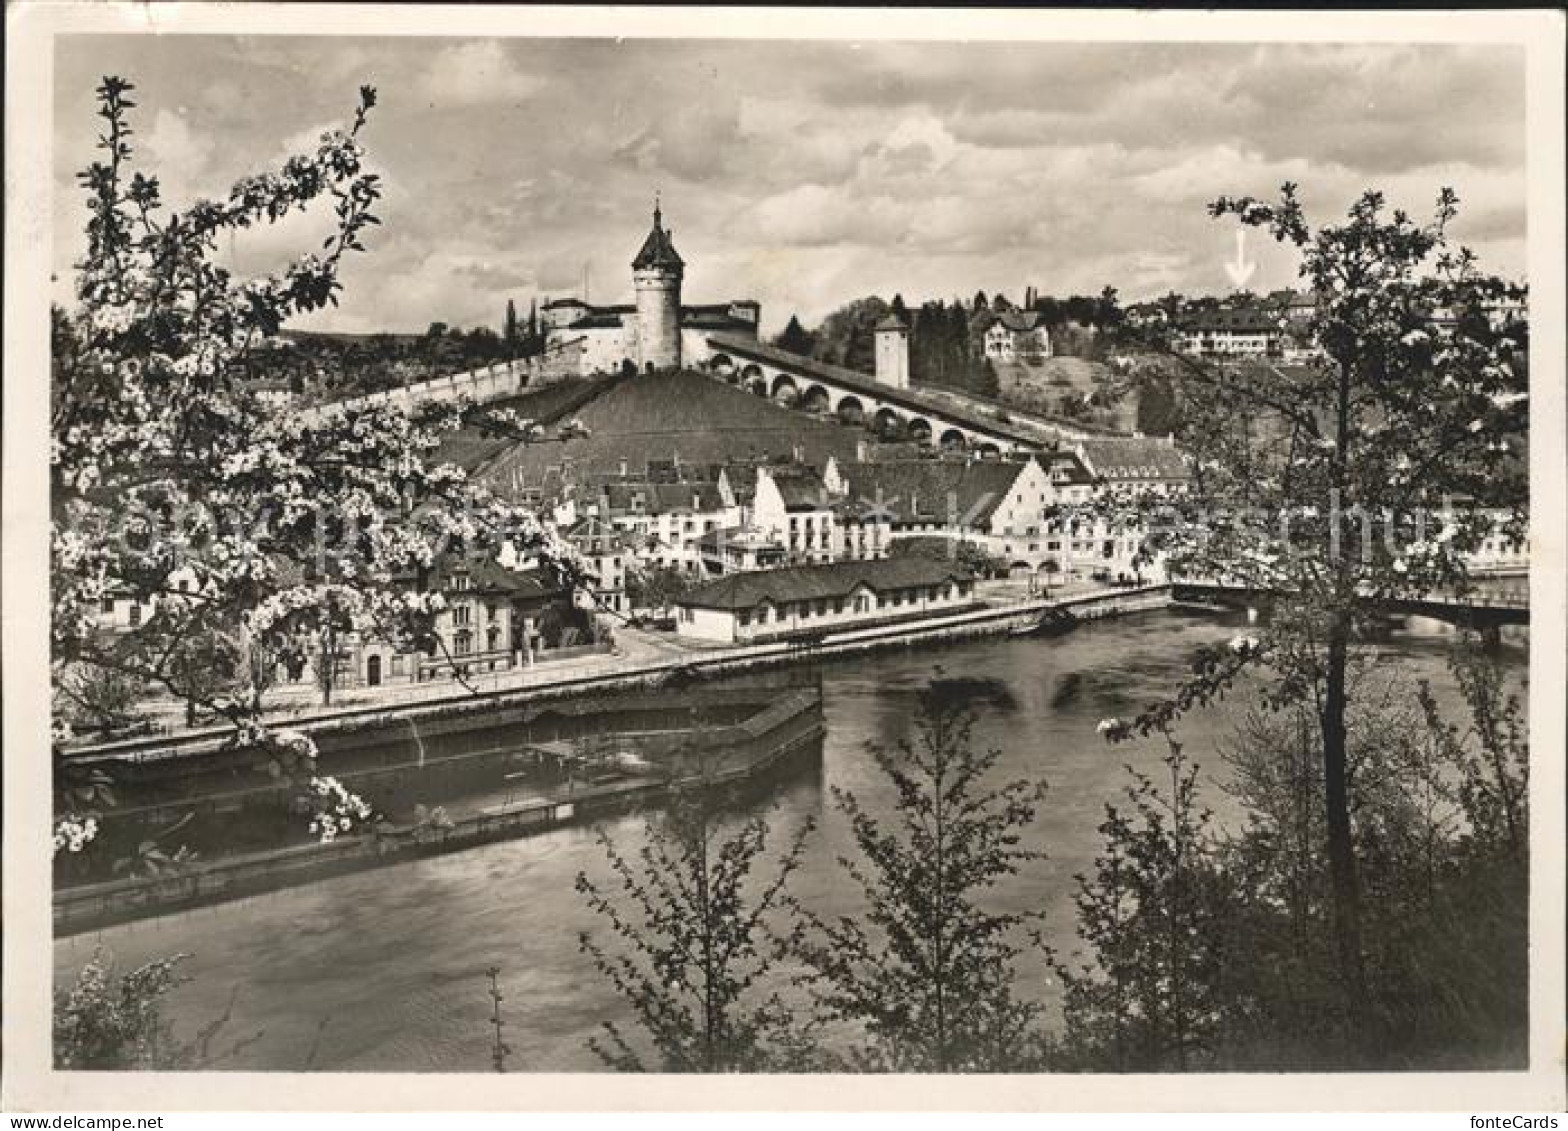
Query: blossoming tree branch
x=166 y=457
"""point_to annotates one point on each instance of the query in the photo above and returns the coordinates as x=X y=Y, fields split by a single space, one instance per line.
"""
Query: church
x=655 y=332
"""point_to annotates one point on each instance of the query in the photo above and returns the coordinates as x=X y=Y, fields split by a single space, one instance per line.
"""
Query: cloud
x=475 y=73
x=181 y=155
x=807 y=174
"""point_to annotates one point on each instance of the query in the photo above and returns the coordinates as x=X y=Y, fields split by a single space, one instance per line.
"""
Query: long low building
x=768 y=604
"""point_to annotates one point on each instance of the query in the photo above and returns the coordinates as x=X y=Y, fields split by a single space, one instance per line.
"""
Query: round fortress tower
x=656 y=274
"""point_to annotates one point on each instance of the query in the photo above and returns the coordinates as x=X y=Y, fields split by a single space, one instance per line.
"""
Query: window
x=108 y=604
x=136 y=614
x=460 y=584
x=492 y=613
x=744 y=618
x=460 y=614
x=463 y=643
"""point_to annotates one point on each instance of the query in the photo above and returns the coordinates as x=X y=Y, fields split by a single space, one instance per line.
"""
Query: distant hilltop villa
x=656 y=332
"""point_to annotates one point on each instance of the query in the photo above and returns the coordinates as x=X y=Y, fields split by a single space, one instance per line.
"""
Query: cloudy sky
x=806 y=174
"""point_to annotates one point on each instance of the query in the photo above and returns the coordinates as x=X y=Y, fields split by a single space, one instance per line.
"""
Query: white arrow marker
x=1241 y=270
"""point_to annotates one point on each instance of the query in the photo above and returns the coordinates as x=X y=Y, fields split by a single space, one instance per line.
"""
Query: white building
x=806 y=600
x=1018 y=335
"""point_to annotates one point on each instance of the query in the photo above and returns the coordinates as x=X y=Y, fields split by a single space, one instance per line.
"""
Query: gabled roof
x=801 y=488
x=657 y=249
x=1020 y=321
x=932 y=490
x=809 y=583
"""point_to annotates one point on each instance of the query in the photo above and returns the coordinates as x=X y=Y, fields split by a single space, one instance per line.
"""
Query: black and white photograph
x=846 y=549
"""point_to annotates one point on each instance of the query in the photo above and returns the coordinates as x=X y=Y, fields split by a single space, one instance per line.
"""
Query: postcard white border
x=29 y=1082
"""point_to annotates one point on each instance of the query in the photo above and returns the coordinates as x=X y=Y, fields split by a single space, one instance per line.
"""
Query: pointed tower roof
x=657 y=250
x=890 y=321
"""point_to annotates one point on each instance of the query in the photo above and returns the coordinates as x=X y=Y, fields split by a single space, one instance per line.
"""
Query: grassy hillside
x=471 y=446
x=1043 y=388
x=686 y=416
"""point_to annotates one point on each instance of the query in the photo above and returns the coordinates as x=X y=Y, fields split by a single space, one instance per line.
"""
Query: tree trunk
x=1341 y=849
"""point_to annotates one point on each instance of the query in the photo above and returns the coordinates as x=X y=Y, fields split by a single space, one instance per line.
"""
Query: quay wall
x=359 y=726
x=754 y=750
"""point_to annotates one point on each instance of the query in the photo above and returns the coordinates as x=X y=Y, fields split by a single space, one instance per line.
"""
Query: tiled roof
x=598 y=320
x=807 y=583
x=490 y=576
x=662 y=498
x=595 y=536
x=1020 y=321
x=799 y=487
x=1235 y=321
x=920 y=490
x=713 y=320
x=1135 y=458
x=657 y=249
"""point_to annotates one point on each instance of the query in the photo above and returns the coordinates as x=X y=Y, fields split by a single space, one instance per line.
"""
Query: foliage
x=657 y=587
x=97 y=698
x=927 y=972
x=167 y=457
x=691 y=922
x=969 y=555
x=104 y=1023
x=1445 y=929
x=1357 y=479
x=1154 y=918
x=796 y=338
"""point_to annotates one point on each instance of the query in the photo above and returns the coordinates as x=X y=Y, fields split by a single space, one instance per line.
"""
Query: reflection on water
x=389 y=965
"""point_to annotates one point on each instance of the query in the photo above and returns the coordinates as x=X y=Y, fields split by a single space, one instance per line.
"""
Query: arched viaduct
x=857 y=398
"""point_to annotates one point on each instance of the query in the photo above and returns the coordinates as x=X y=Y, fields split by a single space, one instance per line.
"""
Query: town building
x=606 y=557
x=801 y=600
x=1018 y=335
x=1242 y=333
x=1138 y=465
x=665 y=521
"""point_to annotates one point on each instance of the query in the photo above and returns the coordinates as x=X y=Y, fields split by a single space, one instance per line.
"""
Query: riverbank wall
x=663 y=673
x=746 y=754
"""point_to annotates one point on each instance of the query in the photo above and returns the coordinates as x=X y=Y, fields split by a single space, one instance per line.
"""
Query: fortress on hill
x=656 y=332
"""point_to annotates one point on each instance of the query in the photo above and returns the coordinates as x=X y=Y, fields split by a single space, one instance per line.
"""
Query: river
x=384 y=970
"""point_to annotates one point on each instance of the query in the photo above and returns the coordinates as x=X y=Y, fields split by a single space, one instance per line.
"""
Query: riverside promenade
x=640 y=658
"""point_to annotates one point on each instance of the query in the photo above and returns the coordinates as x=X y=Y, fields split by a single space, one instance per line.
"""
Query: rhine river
x=385 y=970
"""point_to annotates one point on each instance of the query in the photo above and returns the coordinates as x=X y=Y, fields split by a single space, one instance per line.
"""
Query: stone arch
x=987 y=450
x=783 y=389
x=816 y=399
x=850 y=410
x=920 y=429
x=752 y=378
x=952 y=440
x=886 y=422
x=723 y=365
